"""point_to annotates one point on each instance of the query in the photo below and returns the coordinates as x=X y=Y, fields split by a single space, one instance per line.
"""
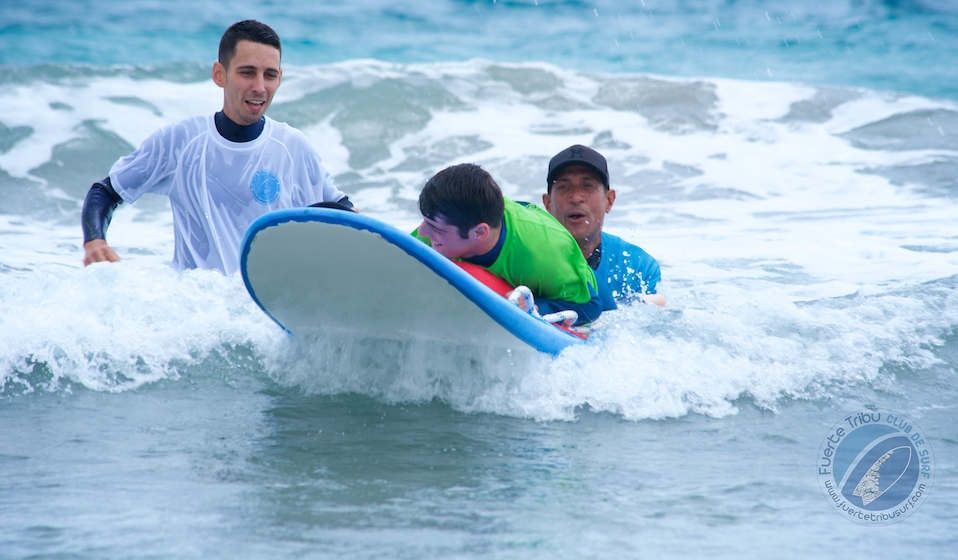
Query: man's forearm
x=98 y=207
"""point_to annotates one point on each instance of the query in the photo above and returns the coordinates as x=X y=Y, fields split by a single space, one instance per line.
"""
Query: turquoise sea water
x=792 y=167
x=887 y=45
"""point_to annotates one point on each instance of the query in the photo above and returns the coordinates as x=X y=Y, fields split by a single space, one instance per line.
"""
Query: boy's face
x=445 y=239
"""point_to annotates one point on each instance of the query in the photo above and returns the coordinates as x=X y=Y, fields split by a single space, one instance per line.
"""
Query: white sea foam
x=100 y=329
x=116 y=327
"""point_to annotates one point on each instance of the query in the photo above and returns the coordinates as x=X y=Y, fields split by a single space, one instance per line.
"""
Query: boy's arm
x=588 y=311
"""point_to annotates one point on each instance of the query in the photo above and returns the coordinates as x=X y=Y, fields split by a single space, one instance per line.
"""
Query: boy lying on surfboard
x=466 y=218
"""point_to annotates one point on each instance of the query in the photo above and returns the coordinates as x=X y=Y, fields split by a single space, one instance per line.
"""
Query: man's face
x=250 y=81
x=579 y=200
x=445 y=239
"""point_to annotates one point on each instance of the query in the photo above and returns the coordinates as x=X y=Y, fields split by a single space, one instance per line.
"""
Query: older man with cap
x=579 y=196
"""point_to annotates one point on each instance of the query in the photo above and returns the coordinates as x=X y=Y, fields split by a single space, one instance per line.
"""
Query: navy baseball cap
x=577 y=155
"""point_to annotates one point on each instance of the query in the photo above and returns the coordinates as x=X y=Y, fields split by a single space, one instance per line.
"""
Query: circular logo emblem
x=265 y=187
x=875 y=467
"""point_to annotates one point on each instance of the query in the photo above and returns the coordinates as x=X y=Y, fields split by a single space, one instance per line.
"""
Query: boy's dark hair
x=247 y=30
x=463 y=195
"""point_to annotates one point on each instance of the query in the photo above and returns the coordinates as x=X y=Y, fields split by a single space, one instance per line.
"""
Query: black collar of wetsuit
x=486 y=260
x=237 y=132
x=595 y=258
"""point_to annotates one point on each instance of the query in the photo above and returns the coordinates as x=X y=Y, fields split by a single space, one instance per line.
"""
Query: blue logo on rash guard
x=265 y=187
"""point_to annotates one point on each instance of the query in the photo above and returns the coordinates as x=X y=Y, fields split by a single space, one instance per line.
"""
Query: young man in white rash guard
x=221 y=171
x=578 y=195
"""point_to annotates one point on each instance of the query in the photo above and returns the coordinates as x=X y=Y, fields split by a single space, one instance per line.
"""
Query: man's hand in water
x=98 y=251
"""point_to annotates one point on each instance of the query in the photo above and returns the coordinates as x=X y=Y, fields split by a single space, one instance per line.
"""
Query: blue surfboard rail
x=538 y=334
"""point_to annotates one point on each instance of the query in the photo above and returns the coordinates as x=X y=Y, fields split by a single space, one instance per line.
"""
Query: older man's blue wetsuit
x=622 y=271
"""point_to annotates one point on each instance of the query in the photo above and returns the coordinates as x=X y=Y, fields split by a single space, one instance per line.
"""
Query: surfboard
x=315 y=270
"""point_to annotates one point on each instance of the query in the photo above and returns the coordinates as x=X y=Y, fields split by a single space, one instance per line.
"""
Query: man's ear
x=480 y=231
x=219 y=74
x=609 y=199
x=546 y=200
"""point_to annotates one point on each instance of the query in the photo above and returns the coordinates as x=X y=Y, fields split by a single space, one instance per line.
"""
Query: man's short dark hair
x=463 y=195
x=247 y=30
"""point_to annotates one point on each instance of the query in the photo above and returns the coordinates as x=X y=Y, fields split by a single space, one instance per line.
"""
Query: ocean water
x=792 y=168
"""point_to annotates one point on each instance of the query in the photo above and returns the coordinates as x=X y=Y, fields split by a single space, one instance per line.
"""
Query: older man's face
x=580 y=201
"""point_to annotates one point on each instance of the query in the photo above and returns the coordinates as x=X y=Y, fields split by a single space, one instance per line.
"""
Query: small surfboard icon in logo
x=869 y=487
x=871 y=478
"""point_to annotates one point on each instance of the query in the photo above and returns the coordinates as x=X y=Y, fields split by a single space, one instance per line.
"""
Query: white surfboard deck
x=316 y=270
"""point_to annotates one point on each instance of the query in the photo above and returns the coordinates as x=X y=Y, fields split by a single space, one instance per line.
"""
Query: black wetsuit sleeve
x=341 y=204
x=98 y=209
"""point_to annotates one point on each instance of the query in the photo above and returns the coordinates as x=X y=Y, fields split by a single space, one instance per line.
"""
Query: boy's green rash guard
x=539 y=253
